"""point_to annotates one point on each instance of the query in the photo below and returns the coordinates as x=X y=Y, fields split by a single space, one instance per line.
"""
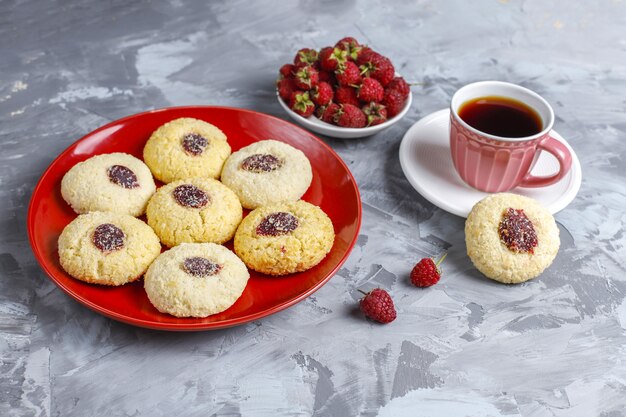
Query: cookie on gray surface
x=511 y=238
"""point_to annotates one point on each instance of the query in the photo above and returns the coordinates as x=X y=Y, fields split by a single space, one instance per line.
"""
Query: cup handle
x=561 y=153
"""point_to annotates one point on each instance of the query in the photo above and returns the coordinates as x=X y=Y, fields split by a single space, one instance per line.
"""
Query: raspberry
x=394 y=102
x=322 y=94
x=305 y=56
x=306 y=78
x=348 y=74
x=370 y=90
x=350 y=116
x=301 y=103
x=376 y=113
x=425 y=273
x=330 y=58
x=378 y=305
x=286 y=86
x=346 y=95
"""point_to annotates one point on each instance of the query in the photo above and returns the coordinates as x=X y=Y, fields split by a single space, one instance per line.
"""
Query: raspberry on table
x=378 y=305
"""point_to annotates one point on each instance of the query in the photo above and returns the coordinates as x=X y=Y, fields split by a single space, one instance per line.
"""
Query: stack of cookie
x=191 y=216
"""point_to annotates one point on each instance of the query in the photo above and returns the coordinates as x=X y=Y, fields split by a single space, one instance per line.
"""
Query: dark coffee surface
x=501 y=116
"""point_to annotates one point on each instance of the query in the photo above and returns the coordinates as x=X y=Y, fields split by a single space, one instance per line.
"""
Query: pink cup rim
x=514 y=87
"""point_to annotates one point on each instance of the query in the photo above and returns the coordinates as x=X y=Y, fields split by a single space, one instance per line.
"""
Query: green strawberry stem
x=362 y=292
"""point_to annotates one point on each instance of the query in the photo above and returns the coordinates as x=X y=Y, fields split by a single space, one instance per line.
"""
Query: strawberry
x=378 y=305
x=350 y=116
x=327 y=113
x=346 y=95
x=365 y=55
x=426 y=273
x=322 y=94
x=327 y=76
x=330 y=58
x=370 y=90
x=305 y=56
x=376 y=113
x=399 y=84
x=301 y=103
x=287 y=70
x=394 y=102
x=378 y=67
x=351 y=46
x=348 y=74
x=306 y=77
x=285 y=87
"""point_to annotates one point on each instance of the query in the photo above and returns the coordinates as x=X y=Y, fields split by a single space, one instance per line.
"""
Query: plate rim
x=30 y=222
x=560 y=204
x=338 y=132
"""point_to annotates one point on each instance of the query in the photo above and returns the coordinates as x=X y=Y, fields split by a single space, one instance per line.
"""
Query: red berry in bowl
x=287 y=70
x=330 y=58
x=376 y=113
x=370 y=90
x=305 y=56
x=301 y=103
x=322 y=94
x=348 y=74
x=306 y=78
x=394 y=102
x=285 y=87
x=346 y=95
x=350 y=116
x=400 y=85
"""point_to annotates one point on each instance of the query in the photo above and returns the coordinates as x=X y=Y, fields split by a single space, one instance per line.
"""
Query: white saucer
x=427 y=164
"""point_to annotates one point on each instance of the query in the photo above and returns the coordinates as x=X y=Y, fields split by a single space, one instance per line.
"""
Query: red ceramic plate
x=333 y=189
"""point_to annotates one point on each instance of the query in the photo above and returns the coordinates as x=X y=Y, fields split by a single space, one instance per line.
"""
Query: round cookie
x=511 y=238
x=107 y=248
x=194 y=210
x=284 y=238
x=116 y=182
x=186 y=148
x=267 y=172
x=195 y=280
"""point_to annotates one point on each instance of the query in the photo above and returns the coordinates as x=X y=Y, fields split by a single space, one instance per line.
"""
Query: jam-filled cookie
x=511 y=238
x=284 y=238
x=186 y=148
x=267 y=172
x=195 y=280
x=194 y=210
x=115 y=182
x=107 y=248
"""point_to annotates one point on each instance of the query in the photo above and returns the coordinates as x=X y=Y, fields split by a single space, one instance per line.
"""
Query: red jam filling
x=108 y=238
x=261 y=163
x=194 y=144
x=517 y=231
x=200 y=267
x=277 y=224
x=122 y=176
x=188 y=195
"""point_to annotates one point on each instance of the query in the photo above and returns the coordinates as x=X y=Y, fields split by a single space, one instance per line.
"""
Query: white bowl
x=318 y=126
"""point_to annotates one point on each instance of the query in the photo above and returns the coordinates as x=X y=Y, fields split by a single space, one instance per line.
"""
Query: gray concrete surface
x=468 y=347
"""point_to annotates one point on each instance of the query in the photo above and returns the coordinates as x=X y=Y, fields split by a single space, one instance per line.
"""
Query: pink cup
x=493 y=163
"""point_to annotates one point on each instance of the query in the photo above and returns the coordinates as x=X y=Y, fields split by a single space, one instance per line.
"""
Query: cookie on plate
x=107 y=248
x=511 y=238
x=284 y=238
x=267 y=172
x=195 y=280
x=194 y=210
x=116 y=182
x=186 y=148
